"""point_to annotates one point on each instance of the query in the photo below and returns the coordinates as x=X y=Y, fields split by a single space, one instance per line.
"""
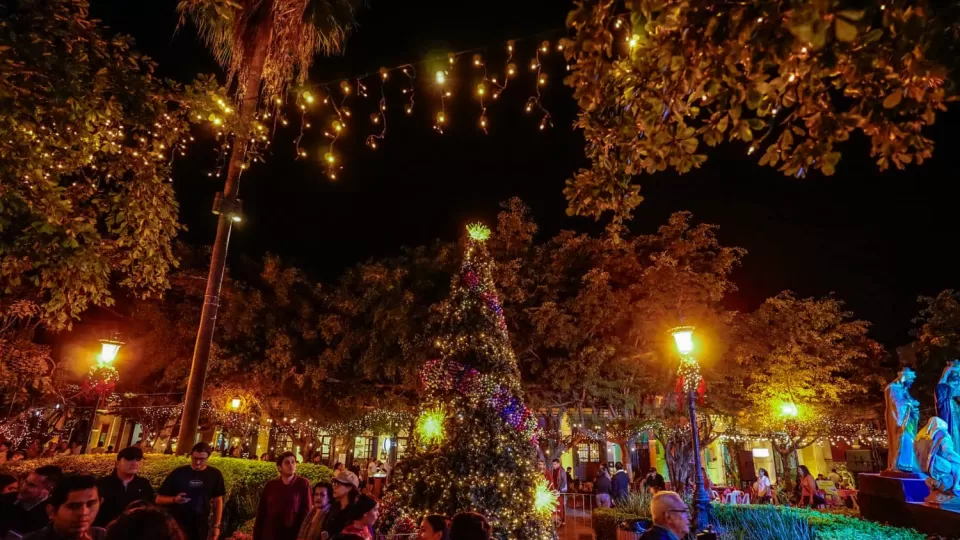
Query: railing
x=573 y=517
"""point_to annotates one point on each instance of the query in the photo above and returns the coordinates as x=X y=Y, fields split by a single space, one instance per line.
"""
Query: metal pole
x=701 y=498
x=86 y=443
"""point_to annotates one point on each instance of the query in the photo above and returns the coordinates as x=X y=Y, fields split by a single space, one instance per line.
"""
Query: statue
x=938 y=459
x=948 y=400
x=903 y=417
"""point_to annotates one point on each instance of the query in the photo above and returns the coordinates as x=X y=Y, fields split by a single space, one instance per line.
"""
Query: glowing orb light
x=430 y=426
x=545 y=500
x=789 y=409
x=478 y=231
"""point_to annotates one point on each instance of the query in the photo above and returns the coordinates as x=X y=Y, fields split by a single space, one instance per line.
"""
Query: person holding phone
x=191 y=492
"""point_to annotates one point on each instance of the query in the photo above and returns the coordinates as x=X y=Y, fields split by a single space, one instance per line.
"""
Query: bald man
x=671 y=517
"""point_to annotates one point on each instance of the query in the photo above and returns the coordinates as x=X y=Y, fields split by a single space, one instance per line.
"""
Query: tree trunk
x=218 y=260
x=625 y=456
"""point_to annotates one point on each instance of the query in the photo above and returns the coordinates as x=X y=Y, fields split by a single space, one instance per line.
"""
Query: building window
x=401 y=446
x=324 y=448
x=363 y=447
x=588 y=452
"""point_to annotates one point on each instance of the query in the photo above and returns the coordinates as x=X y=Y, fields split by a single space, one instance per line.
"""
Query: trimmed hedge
x=244 y=478
x=762 y=522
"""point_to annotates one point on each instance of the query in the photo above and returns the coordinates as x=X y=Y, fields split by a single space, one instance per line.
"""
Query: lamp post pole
x=689 y=374
x=701 y=498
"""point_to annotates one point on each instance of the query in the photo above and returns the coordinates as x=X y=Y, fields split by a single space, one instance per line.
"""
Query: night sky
x=877 y=240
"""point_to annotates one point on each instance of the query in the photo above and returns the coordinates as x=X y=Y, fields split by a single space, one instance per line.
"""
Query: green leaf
x=893 y=100
x=872 y=36
x=845 y=31
x=852 y=14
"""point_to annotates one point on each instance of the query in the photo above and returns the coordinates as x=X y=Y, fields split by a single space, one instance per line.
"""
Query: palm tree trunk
x=218 y=260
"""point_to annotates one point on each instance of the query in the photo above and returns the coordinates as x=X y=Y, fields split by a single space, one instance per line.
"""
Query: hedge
x=244 y=478
x=762 y=522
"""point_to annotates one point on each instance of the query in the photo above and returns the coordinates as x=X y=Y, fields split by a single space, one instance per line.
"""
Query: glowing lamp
x=235 y=403
x=683 y=337
x=441 y=77
x=108 y=351
x=761 y=452
x=789 y=409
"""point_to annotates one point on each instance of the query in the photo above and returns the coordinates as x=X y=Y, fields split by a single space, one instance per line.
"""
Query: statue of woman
x=939 y=460
x=948 y=400
x=903 y=417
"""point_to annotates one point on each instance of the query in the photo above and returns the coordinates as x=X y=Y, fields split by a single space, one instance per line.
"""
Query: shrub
x=606 y=520
x=762 y=522
x=748 y=522
x=754 y=522
x=244 y=478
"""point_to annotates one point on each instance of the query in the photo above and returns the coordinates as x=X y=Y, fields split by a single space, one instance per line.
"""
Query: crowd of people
x=49 y=505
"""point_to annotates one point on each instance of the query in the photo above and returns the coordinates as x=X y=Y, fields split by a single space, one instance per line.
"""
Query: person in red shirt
x=284 y=503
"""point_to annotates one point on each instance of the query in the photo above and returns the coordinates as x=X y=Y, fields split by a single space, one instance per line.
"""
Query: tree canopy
x=792 y=80
x=89 y=135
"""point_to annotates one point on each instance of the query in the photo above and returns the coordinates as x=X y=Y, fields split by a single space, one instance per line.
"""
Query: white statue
x=948 y=400
x=939 y=460
x=903 y=417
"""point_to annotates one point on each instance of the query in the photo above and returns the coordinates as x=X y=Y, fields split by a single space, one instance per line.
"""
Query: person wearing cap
x=346 y=490
x=123 y=486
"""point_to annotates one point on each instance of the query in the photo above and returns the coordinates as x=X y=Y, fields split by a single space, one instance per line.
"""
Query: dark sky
x=875 y=239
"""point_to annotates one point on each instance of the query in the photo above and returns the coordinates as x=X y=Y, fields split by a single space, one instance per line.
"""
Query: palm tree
x=262 y=45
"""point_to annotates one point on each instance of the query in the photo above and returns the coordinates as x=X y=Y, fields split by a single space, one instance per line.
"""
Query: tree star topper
x=478 y=231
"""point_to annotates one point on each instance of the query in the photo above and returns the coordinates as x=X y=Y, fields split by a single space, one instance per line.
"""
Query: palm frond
x=214 y=20
x=296 y=30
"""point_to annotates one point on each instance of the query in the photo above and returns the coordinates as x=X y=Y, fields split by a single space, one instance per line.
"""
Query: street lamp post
x=689 y=372
x=108 y=353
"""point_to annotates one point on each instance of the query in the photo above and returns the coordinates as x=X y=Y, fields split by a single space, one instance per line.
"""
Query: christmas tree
x=475 y=441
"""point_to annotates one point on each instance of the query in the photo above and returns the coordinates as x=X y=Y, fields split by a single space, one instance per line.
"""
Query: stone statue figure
x=948 y=400
x=903 y=417
x=939 y=460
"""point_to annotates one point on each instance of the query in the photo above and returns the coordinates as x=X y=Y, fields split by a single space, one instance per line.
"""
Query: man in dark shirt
x=123 y=486
x=620 y=483
x=26 y=512
x=654 y=481
x=192 y=491
x=72 y=507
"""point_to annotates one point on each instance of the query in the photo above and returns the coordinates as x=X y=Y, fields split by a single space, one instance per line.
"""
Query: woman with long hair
x=433 y=527
x=763 y=488
x=809 y=493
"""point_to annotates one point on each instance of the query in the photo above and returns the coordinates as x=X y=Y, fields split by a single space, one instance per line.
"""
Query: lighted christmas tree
x=475 y=441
